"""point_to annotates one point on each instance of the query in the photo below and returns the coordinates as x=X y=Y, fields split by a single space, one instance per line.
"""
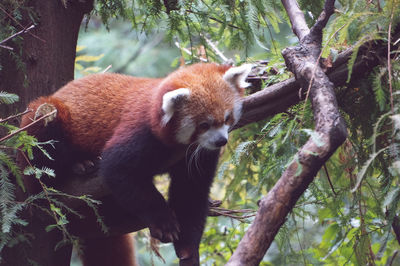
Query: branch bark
x=330 y=133
x=48 y=53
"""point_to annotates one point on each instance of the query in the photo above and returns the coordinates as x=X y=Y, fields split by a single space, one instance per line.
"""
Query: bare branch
x=14 y=116
x=25 y=30
x=296 y=16
x=27 y=126
x=19 y=24
x=218 y=52
x=323 y=17
x=177 y=44
x=330 y=130
x=396 y=227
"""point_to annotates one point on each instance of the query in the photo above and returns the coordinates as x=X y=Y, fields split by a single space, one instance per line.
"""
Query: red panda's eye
x=204 y=126
x=227 y=118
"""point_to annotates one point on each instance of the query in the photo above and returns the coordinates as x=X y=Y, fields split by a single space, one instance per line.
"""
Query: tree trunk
x=48 y=55
x=48 y=52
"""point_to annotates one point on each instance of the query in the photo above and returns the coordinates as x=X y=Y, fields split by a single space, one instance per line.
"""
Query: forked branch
x=330 y=131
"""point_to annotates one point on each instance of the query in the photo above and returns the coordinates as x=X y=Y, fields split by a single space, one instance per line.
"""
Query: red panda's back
x=95 y=104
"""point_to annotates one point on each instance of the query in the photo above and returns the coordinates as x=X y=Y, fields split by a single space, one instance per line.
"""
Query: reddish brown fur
x=96 y=104
x=62 y=113
x=202 y=80
x=90 y=109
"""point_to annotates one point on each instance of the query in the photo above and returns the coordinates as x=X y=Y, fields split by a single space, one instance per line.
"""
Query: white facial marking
x=236 y=76
x=237 y=111
x=226 y=114
x=208 y=138
x=186 y=130
x=224 y=131
x=168 y=104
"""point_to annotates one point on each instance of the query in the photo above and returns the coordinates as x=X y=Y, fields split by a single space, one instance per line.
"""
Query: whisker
x=197 y=158
x=189 y=157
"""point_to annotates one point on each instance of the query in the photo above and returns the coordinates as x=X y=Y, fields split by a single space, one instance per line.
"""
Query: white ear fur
x=169 y=103
x=236 y=76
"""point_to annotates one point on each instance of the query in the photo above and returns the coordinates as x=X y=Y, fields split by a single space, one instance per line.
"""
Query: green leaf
x=315 y=136
x=391 y=197
x=8 y=98
x=361 y=173
x=396 y=121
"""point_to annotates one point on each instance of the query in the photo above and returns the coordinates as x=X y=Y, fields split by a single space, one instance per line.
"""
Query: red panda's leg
x=128 y=169
x=188 y=197
x=114 y=250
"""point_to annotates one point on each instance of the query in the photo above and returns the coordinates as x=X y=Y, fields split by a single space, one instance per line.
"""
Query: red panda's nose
x=221 y=141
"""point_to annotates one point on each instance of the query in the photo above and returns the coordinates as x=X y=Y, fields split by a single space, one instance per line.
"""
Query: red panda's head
x=200 y=103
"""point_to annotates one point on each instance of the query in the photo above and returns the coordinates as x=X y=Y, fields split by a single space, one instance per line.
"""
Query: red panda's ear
x=236 y=76
x=170 y=102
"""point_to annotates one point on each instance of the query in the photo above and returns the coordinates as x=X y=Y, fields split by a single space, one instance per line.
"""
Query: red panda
x=142 y=127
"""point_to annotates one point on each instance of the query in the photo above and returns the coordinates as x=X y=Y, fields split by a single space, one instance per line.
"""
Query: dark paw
x=165 y=228
x=84 y=168
x=189 y=262
x=187 y=254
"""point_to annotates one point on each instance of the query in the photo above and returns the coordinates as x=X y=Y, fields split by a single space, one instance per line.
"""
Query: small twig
x=19 y=24
x=46 y=194
x=189 y=52
x=396 y=227
x=389 y=62
x=394 y=254
x=27 y=126
x=25 y=30
x=106 y=69
x=154 y=247
x=215 y=19
x=14 y=116
x=329 y=180
x=6 y=47
x=234 y=214
x=217 y=51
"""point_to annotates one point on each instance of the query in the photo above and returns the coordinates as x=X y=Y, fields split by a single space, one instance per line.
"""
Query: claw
x=88 y=164
x=78 y=169
x=176 y=236
x=84 y=168
x=167 y=230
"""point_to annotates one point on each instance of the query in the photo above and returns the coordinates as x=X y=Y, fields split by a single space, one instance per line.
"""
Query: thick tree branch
x=330 y=133
x=280 y=96
x=296 y=16
x=323 y=17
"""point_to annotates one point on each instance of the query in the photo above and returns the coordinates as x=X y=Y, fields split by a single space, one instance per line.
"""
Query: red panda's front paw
x=165 y=229
x=85 y=168
x=188 y=254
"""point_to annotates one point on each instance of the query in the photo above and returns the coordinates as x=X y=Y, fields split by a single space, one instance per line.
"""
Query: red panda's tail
x=44 y=111
x=45 y=122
